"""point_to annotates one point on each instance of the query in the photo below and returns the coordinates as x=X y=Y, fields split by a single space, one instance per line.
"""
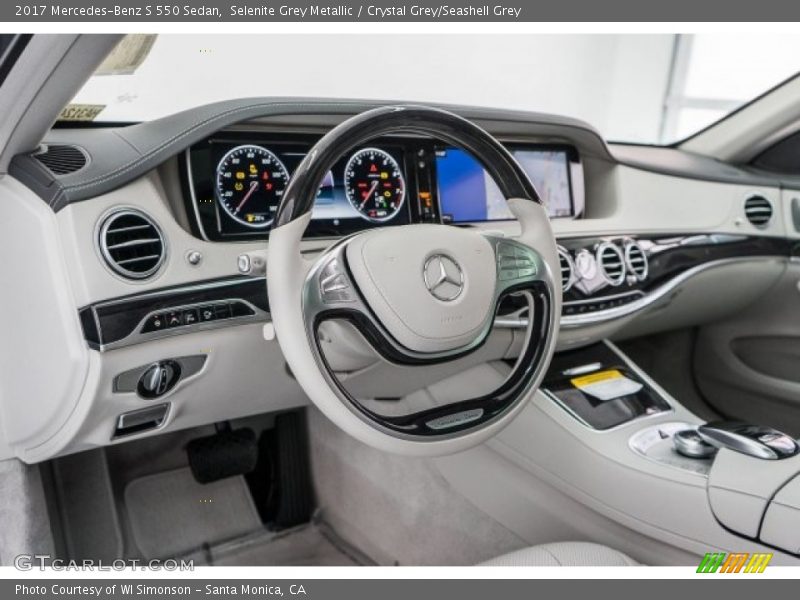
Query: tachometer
x=374 y=184
x=250 y=184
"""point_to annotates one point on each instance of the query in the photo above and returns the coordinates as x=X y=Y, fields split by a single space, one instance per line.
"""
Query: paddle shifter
x=759 y=441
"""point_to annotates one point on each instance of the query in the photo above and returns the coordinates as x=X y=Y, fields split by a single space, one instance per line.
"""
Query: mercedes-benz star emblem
x=443 y=277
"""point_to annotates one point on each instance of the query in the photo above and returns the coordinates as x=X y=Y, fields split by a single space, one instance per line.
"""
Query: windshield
x=651 y=89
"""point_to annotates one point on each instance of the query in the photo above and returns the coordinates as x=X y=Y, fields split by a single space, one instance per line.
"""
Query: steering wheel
x=420 y=294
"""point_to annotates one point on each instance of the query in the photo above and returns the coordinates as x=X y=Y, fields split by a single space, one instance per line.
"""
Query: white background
x=618 y=83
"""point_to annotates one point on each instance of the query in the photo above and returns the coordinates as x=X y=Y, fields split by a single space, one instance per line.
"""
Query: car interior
x=288 y=330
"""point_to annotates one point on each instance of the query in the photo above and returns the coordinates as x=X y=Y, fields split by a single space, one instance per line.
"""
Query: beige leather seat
x=564 y=554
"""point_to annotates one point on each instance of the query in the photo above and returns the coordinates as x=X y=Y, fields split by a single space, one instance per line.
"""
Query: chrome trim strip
x=573 y=321
x=137 y=336
x=602 y=316
x=604 y=298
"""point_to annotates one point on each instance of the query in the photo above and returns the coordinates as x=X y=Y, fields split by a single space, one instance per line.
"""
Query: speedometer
x=374 y=184
x=250 y=184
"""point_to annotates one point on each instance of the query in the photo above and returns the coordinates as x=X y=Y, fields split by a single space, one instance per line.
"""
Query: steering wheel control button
x=334 y=286
x=456 y=419
x=443 y=277
x=158 y=379
x=688 y=442
x=514 y=262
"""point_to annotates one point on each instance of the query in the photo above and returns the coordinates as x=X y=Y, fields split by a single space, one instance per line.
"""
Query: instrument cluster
x=235 y=185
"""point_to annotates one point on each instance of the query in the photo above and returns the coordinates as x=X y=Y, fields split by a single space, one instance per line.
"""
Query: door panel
x=748 y=366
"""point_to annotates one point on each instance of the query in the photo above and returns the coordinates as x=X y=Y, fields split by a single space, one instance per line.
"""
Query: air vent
x=611 y=263
x=636 y=260
x=758 y=210
x=567 y=268
x=132 y=244
x=61 y=159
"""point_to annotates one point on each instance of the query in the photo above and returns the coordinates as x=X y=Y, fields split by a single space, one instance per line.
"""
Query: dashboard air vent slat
x=611 y=263
x=636 y=260
x=758 y=210
x=567 y=268
x=61 y=159
x=132 y=244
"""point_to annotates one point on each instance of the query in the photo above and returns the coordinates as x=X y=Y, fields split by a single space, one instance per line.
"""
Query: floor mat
x=171 y=514
x=303 y=546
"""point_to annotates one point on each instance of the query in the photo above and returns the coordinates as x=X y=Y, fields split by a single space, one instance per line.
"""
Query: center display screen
x=468 y=194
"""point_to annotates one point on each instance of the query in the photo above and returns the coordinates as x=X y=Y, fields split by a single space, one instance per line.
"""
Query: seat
x=564 y=554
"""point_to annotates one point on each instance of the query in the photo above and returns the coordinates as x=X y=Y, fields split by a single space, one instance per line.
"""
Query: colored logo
x=736 y=562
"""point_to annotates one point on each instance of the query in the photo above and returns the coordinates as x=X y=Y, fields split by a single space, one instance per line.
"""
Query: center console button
x=154 y=323
x=190 y=316
x=207 y=313
x=174 y=318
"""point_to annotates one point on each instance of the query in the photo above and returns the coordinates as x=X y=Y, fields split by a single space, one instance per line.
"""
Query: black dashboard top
x=117 y=155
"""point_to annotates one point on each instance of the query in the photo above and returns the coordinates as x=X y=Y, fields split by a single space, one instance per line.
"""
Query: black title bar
x=74 y=11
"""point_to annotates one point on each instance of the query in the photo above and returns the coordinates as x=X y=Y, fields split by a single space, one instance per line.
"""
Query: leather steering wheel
x=420 y=294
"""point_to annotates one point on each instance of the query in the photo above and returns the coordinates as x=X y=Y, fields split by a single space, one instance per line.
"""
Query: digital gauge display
x=374 y=184
x=250 y=184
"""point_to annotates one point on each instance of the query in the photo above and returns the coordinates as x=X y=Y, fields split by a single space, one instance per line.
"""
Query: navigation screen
x=467 y=193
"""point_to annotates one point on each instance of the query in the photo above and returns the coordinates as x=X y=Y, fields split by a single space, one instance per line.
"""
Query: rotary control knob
x=158 y=379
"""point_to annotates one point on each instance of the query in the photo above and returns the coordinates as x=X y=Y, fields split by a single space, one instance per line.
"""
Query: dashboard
x=156 y=254
x=234 y=182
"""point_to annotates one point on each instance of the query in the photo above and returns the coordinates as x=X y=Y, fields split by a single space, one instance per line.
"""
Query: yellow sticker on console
x=595 y=377
x=606 y=385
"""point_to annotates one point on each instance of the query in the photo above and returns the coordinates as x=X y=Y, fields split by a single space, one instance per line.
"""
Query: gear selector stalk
x=759 y=441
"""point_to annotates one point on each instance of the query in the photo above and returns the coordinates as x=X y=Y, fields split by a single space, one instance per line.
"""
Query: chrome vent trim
x=62 y=159
x=758 y=211
x=567 y=264
x=132 y=244
x=611 y=263
x=636 y=260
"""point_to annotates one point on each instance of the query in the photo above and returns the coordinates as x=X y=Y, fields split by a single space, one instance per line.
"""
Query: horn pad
x=431 y=286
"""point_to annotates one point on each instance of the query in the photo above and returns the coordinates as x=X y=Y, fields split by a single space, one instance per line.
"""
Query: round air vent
x=567 y=268
x=132 y=244
x=758 y=210
x=611 y=263
x=636 y=260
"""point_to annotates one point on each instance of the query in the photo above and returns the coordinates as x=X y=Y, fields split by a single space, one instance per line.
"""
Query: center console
x=603 y=434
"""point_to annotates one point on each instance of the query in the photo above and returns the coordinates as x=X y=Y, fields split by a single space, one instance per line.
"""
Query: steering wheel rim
x=342 y=284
